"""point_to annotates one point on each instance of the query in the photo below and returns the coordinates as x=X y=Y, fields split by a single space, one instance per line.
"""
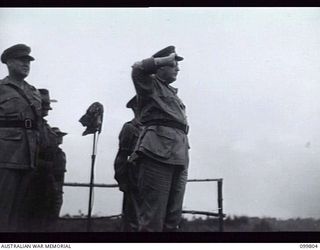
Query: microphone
x=92 y=119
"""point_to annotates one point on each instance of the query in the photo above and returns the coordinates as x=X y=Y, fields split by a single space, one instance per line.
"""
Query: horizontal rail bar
x=85 y=218
x=75 y=184
x=202 y=180
x=119 y=215
x=202 y=212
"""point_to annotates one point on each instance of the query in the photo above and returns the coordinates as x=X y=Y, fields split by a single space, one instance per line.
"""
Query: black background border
x=231 y=237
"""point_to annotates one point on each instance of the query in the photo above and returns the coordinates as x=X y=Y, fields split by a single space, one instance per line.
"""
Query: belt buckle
x=28 y=123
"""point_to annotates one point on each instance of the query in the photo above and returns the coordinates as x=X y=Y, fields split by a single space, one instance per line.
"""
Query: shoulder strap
x=20 y=92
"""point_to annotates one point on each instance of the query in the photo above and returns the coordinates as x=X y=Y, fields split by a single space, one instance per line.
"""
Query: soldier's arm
x=142 y=71
x=60 y=166
x=127 y=137
x=120 y=169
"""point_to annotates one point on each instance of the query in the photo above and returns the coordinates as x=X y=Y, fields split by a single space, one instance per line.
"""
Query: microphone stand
x=93 y=158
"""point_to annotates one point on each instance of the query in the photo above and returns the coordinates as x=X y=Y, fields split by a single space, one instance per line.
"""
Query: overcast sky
x=250 y=81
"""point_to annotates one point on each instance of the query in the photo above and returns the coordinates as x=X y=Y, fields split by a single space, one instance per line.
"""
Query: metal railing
x=220 y=213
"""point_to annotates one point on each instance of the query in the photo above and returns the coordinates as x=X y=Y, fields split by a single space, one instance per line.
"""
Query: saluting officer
x=20 y=114
x=163 y=146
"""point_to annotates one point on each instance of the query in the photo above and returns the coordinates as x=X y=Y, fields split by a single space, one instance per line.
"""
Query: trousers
x=14 y=199
x=130 y=206
x=161 y=189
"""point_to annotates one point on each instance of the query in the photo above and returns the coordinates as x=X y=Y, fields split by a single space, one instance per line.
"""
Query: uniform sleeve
x=60 y=162
x=2 y=101
x=127 y=138
x=141 y=76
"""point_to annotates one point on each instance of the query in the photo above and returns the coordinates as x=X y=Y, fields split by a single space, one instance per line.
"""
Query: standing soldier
x=126 y=173
x=42 y=191
x=163 y=144
x=20 y=114
x=59 y=169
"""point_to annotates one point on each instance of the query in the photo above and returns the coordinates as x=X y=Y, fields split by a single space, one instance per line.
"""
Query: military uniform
x=44 y=192
x=126 y=173
x=127 y=140
x=20 y=110
x=59 y=169
x=162 y=148
x=49 y=183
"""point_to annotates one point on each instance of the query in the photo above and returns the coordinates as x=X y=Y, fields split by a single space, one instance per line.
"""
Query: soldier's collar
x=136 y=122
x=173 y=89
x=9 y=80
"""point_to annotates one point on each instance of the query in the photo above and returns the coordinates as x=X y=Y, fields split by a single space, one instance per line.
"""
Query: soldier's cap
x=167 y=51
x=58 y=131
x=46 y=98
x=132 y=103
x=16 y=51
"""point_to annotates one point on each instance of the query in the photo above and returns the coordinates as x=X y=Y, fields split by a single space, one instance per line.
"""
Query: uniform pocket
x=158 y=142
x=10 y=134
x=12 y=104
x=14 y=148
x=9 y=99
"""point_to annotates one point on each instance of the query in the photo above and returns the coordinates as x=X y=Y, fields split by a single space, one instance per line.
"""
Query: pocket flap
x=10 y=134
x=162 y=132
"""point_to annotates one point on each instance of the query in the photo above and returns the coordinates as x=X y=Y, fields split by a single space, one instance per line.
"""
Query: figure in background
x=126 y=173
x=42 y=191
x=162 y=149
x=59 y=169
x=20 y=118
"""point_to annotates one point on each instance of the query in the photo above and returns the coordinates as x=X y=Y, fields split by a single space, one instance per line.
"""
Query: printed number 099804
x=308 y=245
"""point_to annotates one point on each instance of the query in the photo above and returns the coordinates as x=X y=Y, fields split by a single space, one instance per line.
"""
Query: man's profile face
x=169 y=73
x=19 y=66
x=44 y=111
x=59 y=140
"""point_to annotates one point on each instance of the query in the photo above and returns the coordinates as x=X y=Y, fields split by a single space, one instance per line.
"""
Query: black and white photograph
x=160 y=119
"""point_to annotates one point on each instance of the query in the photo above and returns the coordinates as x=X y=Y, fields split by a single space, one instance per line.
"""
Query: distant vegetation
x=251 y=224
x=231 y=224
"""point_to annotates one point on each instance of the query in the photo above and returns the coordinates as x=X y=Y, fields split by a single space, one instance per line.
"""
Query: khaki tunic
x=18 y=145
x=18 y=157
x=159 y=101
x=128 y=137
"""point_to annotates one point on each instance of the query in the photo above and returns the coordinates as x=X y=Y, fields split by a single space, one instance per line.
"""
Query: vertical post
x=123 y=221
x=93 y=157
x=220 y=206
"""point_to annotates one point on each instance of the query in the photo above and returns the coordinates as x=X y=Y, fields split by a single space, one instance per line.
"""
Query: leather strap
x=21 y=92
x=27 y=124
x=168 y=123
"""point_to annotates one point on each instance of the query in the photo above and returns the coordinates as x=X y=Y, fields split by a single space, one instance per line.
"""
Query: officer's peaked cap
x=167 y=51
x=16 y=51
